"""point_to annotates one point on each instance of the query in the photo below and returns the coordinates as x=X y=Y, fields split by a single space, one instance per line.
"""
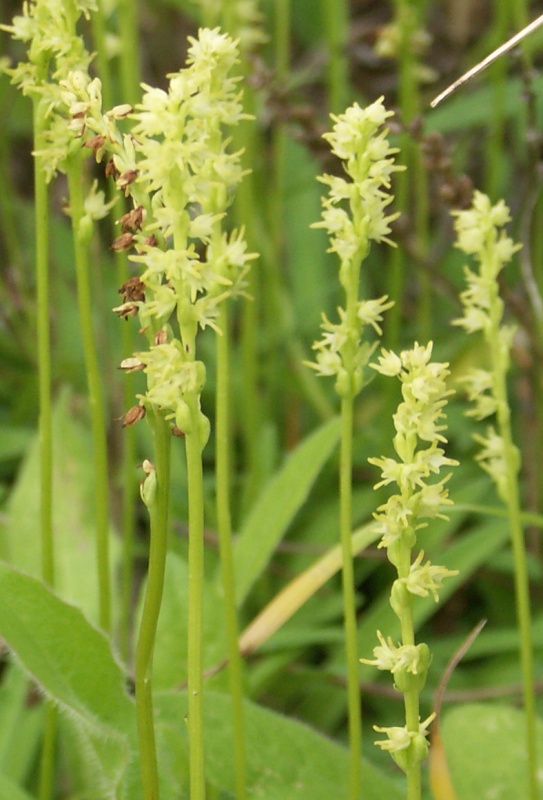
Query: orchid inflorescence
x=421 y=495
x=481 y=233
x=355 y=214
x=175 y=166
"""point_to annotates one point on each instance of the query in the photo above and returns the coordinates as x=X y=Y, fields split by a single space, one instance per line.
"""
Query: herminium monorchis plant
x=420 y=495
x=354 y=214
x=481 y=234
x=176 y=168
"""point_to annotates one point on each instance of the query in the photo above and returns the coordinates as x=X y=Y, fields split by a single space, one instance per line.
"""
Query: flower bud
x=148 y=486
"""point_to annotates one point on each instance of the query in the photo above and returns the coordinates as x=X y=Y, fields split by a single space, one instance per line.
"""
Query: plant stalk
x=74 y=174
x=158 y=511
x=195 y=682
x=224 y=525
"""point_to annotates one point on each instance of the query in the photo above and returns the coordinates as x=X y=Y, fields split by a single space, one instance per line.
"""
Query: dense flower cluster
x=359 y=139
x=417 y=419
x=480 y=233
x=54 y=50
x=176 y=167
x=420 y=495
x=354 y=215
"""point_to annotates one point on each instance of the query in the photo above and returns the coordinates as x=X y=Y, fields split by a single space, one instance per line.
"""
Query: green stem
x=99 y=37
x=130 y=61
x=246 y=211
x=96 y=395
x=224 y=525
x=522 y=586
x=129 y=489
x=500 y=363
x=158 y=511
x=411 y=696
x=47 y=764
x=412 y=178
x=44 y=352
x=496 y=124
x=336 y=26
x=193 y=447
x=47 y=760
x=349 y=599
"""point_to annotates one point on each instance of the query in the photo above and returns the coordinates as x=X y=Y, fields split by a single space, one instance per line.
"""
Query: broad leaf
x=66 y=655
x=9 y=789
x=486 y=752
x=285 y=759
x=73 y=513
x=277 y=506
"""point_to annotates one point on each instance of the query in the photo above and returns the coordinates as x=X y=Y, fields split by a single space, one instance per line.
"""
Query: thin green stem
x=193 y=447
x=96 y=395
x=522 y=586
x=245 y=210
x=224 y=526
x=413 y=179
x=411 y=696
x=158 y=511
x=47 y=763
x=130 y=60
x=102 y=58
x=129 y=494
x=48 y=753
x=349 y=599
x=44 y=352
x=496 y=123
x=336 y=26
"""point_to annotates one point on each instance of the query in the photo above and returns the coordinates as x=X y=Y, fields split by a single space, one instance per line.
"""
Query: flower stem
x=224 y=525
x=195 y=612
x=99 y=37
x=410 y=695
x=130 y=62
x=336 y=25
x=349 y=602
x=96 y=395
x=522 y=589
x=44 y=353
x=158 y=511
x=45 y=791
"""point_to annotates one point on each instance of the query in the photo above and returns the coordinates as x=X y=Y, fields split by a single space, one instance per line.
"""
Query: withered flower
x=127 y=177
x=133 y=415
x=132 y=220
x=96 y=144
x=126 y=310
x=111 y=170
x=122 y=242
x=132 y=364
x=133 y=290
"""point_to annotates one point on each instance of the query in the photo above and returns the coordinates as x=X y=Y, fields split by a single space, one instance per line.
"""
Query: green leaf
x=285 y=759
x=98 y=764
x=73 y=513
x=10 y=789
x=68 y=657
x=486 y=751
x=21 y=726
x=278 y=504
x=13 y=441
